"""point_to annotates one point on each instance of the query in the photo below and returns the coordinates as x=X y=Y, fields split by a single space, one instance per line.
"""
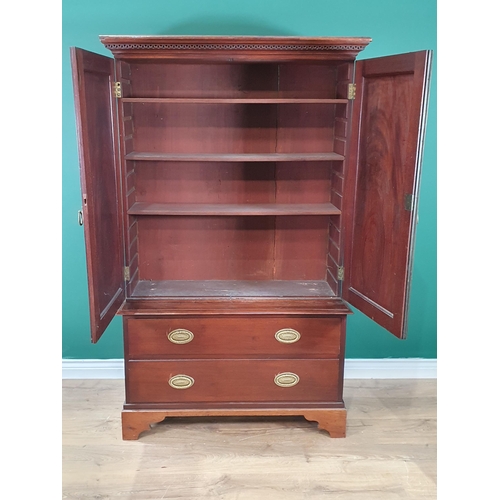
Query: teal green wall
x=396 y=26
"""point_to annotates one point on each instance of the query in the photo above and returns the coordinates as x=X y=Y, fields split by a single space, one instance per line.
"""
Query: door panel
x=382 y=185
x=93 y=75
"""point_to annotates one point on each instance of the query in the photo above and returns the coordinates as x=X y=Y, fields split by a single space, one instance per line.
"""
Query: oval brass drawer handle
x=287 y=336
x=180 y=336
x=286 y=379
x=181 y=381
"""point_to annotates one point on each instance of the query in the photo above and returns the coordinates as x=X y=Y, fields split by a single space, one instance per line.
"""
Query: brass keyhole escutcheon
x=180 y=336
x=287 y=336
x=286 y=379
x=181 y=381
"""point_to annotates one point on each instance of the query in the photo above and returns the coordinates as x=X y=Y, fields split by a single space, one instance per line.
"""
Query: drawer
x=235 y=336
x=224 y=381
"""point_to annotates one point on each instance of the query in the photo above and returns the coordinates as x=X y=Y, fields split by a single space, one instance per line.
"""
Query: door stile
x=424 y=66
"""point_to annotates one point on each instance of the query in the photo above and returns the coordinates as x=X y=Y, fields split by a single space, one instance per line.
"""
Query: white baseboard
x=92 y=369
x=354 y=368
x=390 y=368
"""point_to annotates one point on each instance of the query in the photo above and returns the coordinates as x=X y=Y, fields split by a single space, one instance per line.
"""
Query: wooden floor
x=389 y=452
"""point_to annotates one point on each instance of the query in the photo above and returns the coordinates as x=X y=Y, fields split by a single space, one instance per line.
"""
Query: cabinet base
x=333 y=421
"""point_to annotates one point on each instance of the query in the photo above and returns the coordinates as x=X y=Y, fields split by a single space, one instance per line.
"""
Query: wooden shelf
x=241 y=157
x=144 y=208
x=233 y=288
x=232 y=100
x=228 y=297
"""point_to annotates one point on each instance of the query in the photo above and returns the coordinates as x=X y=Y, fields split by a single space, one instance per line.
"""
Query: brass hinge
x=340 y=273
x=126 y=273
x=117 y=89
x=409 y=202
x=351 y=91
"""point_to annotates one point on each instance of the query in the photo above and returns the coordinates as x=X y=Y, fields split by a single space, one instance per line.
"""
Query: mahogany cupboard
x=238 y=194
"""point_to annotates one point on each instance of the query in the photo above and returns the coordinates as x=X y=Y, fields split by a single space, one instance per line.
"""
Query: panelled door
x=382 y=182
x=93 y=77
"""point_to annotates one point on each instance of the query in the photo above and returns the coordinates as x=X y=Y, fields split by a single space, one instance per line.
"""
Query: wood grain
x=389 y=452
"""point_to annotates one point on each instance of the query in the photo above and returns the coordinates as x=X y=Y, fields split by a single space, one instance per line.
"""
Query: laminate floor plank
x=389 y=452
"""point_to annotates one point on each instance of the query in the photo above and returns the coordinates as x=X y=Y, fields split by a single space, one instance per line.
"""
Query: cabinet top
x=234 y=48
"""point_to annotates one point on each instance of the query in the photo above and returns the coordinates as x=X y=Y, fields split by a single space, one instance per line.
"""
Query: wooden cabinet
x=238 y=194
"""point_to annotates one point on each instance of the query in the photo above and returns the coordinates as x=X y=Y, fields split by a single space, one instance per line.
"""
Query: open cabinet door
x=382 y=182
x=97 y=145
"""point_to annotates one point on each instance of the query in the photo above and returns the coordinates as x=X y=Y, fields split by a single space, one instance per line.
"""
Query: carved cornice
x=227 y=46
x=237 y=47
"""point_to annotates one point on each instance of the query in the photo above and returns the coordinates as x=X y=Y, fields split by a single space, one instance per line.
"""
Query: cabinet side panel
x=126 y=124
x=342 y=113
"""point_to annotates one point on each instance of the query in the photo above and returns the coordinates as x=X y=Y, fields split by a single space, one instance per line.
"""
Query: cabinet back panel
x=232 y=248
x=202 y=182
x=301 y=248
x=204 y=128
x=305 y=128
x=316 y=81
x=303 y=182
x=233 y=128
x=251 y=80
x=202 y=80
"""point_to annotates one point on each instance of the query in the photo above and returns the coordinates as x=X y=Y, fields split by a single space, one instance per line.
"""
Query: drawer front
x=223 y=381
x=237 y=336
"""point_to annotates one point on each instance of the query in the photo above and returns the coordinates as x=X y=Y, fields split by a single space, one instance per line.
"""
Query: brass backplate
x=340 y=273
x=117 y=89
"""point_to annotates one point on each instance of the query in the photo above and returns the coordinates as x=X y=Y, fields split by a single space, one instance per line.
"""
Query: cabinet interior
x=233 y=177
